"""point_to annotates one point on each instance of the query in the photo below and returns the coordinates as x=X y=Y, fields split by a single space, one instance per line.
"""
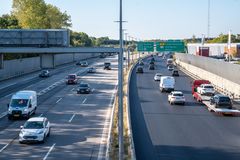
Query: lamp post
x=120 y=86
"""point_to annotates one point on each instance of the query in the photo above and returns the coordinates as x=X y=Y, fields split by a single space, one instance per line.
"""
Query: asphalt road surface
x=175 y=132
x=79 y=122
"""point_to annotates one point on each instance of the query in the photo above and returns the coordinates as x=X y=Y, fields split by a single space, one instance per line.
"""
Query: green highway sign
x=145 y=46
x=170 y=45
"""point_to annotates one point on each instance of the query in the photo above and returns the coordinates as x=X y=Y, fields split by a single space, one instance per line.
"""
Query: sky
x=149 y=19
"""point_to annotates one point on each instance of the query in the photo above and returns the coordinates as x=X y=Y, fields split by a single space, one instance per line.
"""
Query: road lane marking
x=3 y=114
x=8 y=95
x=41 y=115
x=59 y=100
x=72 y=89
x=49 y=151
x=4 y=147
x=84 y=101
x=70 y=120
x=103 y=142
x=8 y=86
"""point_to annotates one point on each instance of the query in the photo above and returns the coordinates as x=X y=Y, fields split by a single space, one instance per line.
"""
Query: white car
x=206 y=89
x=170 y=68
x=157 y=76
x=35 y=130
x=176 y=97
x=91 y=70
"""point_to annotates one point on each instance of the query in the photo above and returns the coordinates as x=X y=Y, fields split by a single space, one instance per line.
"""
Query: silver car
x=35 y=130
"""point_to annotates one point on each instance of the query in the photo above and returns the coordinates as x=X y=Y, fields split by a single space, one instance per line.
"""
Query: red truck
x=208 y=100
x=195 y=85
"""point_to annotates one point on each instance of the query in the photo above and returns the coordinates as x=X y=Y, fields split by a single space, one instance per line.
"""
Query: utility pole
x=208 y=27
x=120 y=87
x=126 y=50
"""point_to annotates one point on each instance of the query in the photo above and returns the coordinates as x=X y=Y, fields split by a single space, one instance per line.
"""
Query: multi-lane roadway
x=79 y=122
x=175 y=132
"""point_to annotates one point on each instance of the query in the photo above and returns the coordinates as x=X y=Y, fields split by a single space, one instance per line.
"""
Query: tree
x=36 y=14
x=224 y=39
x=57 y=19
x=8 y=22
x=80 y=39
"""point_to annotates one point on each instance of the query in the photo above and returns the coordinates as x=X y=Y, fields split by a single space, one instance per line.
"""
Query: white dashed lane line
x=70 y=120
x=59 y=100
x=49 y=151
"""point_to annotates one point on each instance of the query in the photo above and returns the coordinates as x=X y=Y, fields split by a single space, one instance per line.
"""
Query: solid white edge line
x=70 y=120
x=84 y=101
x=59 y=100
x=101 y=154
x=7 y=86
x=4 y=147
x=46 y=156
x=3 y=114
x=41 y=115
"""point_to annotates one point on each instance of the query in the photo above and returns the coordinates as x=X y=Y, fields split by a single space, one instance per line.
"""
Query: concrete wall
x=222 y=74
x=19 y=67
x=14 y=68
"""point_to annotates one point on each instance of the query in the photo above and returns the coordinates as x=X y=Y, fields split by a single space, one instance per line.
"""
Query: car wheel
x=170 y=103
x=43 y=141
x=20 y=142
x=49 y=132
x=34 y=112
x=28 y=116
x=183 y=103
x=9 y=117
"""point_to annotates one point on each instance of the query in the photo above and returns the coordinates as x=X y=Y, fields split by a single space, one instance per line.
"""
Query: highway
x=190 y=132
x=79 y=122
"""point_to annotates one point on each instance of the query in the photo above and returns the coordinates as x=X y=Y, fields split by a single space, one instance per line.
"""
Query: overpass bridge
x=47 y=54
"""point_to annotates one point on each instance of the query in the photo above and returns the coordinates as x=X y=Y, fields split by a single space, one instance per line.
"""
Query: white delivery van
x=169 y=61
x=22 y=104
x=167 y=83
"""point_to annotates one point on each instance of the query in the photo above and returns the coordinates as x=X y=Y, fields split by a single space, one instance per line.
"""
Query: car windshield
x=71 y=76
x=19 y=102
x=33 y=125
x=210 y=87
x=224 y=99
x=178 y=94
x=175 y=71
x=84 y=85
x=44 y=71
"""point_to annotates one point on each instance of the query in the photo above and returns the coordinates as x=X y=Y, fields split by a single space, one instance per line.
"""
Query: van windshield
x=19 y=102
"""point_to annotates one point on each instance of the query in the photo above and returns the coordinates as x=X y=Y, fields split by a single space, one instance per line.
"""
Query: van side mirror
x=8 y=105
x=21 y=127
x=30 y=105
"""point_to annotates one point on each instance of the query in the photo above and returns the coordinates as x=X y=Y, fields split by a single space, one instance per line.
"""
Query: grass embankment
x=115 y=145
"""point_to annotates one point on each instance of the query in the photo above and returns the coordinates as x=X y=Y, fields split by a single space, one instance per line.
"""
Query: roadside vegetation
x=46 y=16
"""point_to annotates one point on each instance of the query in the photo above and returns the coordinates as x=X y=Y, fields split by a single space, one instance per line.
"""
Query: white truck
x=167 y=83
x=22 y=104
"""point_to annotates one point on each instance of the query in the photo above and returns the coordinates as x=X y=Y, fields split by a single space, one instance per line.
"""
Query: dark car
x=102 y=55
x=107 y=66
x=153 y=59
x=221 y=101
x=151 y=67
x=84 y=64
x=44 y=73
x=84 y=88
x=72 y=79
x=151 y=62
x=139 y=70
x=175 y=73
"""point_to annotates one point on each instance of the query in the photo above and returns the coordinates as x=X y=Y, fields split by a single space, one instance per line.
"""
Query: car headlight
x=40 y=132
x=25 y=110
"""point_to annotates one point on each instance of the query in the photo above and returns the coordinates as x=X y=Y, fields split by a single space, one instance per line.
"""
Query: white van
x=22 y=104
x=167 y=83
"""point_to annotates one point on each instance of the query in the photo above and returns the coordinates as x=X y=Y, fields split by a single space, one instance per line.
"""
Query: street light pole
x=120 y=87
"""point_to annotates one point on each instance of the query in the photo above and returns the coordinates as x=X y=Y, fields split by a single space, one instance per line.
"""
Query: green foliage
x=8 y=22
x=224 y=39
x=36 y=14
x=80 y=39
